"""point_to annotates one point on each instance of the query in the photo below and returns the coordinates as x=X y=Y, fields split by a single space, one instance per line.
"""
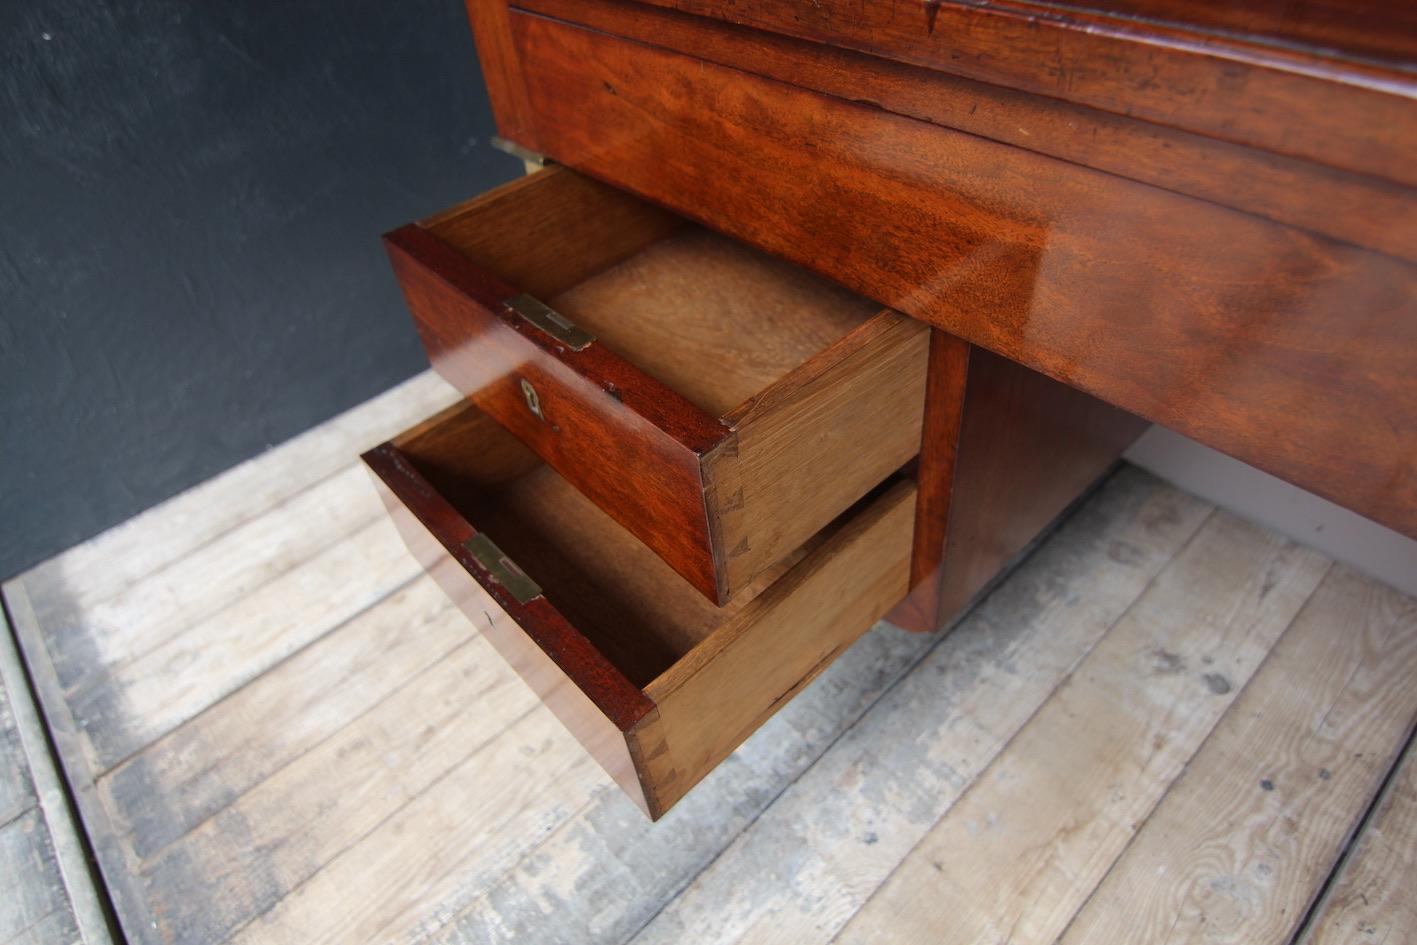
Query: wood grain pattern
x=709 y=414
x=612 y=642
x=1355 y=115
x=1028 y=448
x=1239 y=846
x=400 y=749
x=436 y=532
x=1006 y=452
x=35 y=908
x=1372 y=894
x=550 y=230
x=521 y=837
x=1018 y=854
x=809 y=862
x=1383 y=32
x=590 y=403
x=810 y=446
x=48 y=894
x=191 y=774
x=16 y=790
x=1209 y=321
x=496 y=53
x=712 y=700
x=946 y=387
x=110 y=588
x=714 y=320
x=138 y=699
x=1354 y=208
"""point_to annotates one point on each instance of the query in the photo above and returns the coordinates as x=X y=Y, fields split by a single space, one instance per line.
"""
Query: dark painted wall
x=190 y=201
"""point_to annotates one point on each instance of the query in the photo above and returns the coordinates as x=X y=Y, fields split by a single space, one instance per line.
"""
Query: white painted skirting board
x=1303 y=516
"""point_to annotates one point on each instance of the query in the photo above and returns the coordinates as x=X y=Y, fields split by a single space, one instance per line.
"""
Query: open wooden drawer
x=721 y=405
x=658 y=683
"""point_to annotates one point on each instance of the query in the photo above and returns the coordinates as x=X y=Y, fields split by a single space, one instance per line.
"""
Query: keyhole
x=533 y=402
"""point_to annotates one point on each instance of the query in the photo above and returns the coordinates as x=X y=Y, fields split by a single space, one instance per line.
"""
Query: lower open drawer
x=654 y=680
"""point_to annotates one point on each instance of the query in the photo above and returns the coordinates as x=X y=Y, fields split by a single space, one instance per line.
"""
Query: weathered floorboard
x=35 y=905
x=202 y=767
x=1241 y=845
x=73 y=582
x=47 y=896
x=16 y=788
x=1021 y=850
x=1374 y=896
x=289 y=735
x=141 y=701
x=855 y=814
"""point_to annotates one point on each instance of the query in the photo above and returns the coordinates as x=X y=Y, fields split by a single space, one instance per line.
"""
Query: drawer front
x=639 y=459
x=804 y=397
x=658 y=709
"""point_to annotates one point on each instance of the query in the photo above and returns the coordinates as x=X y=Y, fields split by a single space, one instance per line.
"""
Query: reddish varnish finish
x=590 y=696
x=1028 y=448
x=945 y=394
x=1006 y=450
x=658 y=683
x=497 y=54
x=710 y=415
x=1355 y=208
x=1345 y=108
x=593 y=402
x=1292 y=352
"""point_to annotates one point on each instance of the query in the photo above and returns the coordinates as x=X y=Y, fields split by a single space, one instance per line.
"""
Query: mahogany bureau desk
x=823 y=311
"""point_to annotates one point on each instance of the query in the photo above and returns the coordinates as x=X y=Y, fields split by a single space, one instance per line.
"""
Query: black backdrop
x=191 y=196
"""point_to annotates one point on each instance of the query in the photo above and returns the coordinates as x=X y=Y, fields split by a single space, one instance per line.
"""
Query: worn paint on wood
x=47 y=895
x=1374 y=895
x=1241 y=844
x=329 y=752
x=1016 y=856
x=850 y=820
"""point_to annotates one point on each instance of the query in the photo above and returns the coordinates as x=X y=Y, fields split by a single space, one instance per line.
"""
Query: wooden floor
x=1168 y=725
x=46 y=892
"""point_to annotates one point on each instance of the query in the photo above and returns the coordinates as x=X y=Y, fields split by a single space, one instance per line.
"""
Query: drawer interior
x=611 y=587
x=721 y=405
x=711 y=318
x=674 y=680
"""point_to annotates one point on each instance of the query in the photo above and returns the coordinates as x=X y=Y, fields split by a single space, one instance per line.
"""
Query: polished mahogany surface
x=1200 y=212
x=1005 y=452
x=1355 y=208
x=1291 y=351
x=1356 y=31
x=707 y=401
x=1336 y=87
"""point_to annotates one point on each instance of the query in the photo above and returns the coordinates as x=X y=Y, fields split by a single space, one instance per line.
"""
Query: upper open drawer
x=720 y=404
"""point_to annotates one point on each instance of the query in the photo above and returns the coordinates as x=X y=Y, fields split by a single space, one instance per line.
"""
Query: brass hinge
x=550 y=321
x=502 y=568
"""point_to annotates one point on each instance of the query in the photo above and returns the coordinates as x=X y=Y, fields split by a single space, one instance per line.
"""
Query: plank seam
x=257 y=677
x=904 y=674
x=1350 y=843
x=314 y=746
x=374 y=828
x=236 y=525
x=98 y=675
x=689 y=881
x=84 y=890
x=1003 y=749
x=1200 y=747
x=151 y=517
